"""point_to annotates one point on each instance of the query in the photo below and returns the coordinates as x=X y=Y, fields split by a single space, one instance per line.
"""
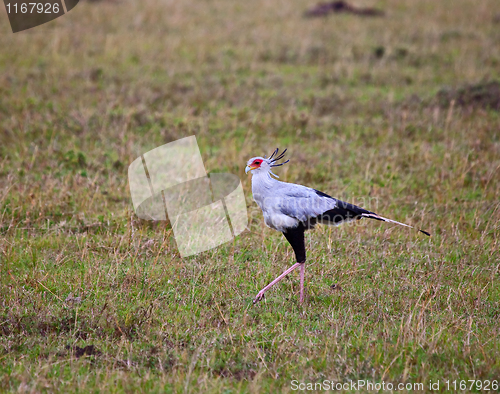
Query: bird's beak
x=249 y=168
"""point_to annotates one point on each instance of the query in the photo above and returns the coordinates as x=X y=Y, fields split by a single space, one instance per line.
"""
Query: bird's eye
x=257 y=162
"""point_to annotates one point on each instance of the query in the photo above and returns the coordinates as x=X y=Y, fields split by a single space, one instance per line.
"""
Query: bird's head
x=261 y=164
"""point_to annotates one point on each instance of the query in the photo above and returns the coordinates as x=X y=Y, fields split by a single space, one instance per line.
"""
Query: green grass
x=83 y=96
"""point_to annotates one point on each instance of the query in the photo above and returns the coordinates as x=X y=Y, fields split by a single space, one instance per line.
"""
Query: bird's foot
x=259 y=297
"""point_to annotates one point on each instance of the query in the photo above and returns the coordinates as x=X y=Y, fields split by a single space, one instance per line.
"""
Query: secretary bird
x=293 y=209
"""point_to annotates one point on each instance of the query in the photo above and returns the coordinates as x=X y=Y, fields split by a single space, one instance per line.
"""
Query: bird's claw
x=259 y=297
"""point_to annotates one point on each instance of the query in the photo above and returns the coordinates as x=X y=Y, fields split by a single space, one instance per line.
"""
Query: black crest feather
x=277 y=158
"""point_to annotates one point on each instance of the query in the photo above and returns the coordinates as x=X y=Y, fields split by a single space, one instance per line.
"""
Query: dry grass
x=93 y=299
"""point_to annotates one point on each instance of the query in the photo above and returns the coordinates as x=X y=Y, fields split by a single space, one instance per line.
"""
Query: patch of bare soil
x=484 y=95
x=336 y=7
x=89 y=350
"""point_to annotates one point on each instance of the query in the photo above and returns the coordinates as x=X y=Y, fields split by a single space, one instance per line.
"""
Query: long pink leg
x=261 y=293
x=302 y=275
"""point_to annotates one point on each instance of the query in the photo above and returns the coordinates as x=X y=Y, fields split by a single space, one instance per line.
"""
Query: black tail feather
x=345 y=212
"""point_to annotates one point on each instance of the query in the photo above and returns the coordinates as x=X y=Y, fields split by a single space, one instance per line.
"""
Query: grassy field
x=372 y=111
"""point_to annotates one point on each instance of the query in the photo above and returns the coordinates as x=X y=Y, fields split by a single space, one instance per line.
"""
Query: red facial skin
x=256 y=163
